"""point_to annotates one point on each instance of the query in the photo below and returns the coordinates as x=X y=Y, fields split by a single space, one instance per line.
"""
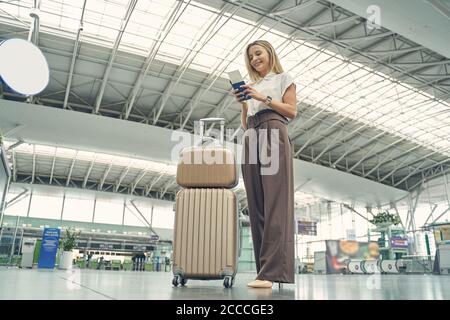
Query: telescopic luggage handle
x=222 y=128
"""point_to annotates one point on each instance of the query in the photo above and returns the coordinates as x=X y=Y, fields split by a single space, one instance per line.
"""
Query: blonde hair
x=274 y=62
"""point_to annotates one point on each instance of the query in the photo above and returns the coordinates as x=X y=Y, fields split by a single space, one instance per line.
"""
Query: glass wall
x=335 y=221
x=18 y=207
x=108 y=211
x=90 y=206
x=78 y=209
x=46 y=206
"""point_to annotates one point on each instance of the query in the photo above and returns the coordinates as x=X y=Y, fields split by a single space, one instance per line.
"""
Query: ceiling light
x=23 y=67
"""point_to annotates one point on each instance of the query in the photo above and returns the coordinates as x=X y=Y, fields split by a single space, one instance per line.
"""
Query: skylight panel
x=324 y=79
x=180 y=41
x=66 y=153
x=45 y=150
x=86 y=155
x=176 y=53
x=205 y=60
x=217 y=48
x=20 y=8
x=442 y=143
x=135 y=42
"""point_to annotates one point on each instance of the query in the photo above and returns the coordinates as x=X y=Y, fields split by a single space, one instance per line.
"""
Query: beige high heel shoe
x=260 y=284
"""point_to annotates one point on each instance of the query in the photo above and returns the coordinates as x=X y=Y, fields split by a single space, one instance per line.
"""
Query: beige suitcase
x=202 y=166
x=205 y=235
x=206 y=214
x=208 y=166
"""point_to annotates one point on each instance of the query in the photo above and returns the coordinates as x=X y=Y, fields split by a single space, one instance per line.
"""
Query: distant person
x=167 y=268
x=88 y=259
x=100 y=263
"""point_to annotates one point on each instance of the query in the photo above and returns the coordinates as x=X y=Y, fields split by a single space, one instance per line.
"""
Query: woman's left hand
x=253 y=93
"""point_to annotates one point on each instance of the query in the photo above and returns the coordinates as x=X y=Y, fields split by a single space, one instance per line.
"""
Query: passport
x=237 y=81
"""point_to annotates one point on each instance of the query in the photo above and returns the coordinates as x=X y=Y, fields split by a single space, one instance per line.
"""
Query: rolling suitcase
x=206 y=218
x=205 y=241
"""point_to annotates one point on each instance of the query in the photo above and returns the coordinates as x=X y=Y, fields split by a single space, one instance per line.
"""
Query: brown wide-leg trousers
x=270 y=197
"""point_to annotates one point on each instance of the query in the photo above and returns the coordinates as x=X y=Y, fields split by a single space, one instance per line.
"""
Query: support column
x=446 y=195
x=412 y=224
x=14 y=240
x=62 y=207
x=123 y=215
x=329 y=219
x=3 y=203
x=93 y=211
x=29 y=204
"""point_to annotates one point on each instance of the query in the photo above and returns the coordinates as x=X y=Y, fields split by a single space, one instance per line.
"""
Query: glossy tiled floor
x=90 y=284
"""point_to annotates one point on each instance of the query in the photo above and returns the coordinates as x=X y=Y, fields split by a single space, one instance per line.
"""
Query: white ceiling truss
x=372 y=103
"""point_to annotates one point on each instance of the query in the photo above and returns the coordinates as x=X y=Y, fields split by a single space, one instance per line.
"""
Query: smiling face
x=259 y=59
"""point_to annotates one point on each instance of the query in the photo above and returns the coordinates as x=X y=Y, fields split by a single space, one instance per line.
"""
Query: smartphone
x=237 y=81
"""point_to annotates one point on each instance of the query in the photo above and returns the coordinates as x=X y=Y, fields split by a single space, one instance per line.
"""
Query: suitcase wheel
x=178 y=280
x=175 y=281
x=228 y=282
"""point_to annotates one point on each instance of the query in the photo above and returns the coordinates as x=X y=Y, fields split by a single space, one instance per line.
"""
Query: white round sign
x=23 y=66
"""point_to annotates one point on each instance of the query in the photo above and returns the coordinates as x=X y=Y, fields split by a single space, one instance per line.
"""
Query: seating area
x=118 y=265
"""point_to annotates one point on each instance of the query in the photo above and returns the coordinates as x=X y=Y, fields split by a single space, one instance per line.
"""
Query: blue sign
x=49 y=247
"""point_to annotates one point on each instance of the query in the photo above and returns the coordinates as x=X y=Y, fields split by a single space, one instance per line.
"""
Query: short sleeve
x=286 y=82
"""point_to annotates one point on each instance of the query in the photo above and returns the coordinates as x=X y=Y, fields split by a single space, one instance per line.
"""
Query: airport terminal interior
x=91 y=132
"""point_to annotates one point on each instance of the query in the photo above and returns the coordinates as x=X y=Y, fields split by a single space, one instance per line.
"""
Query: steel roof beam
x=412 y=173
x=138 y=179
x=395 y=51
x=33 y=172
x=190 y=56
x=14 y=166
x=154 y=181
x=425 y=158
x=162 y=34
x=292 y=9
x=354 y=148
x=334 y=23
x=224 y=104
x=53 y=165
x=33 y=35
x=168 y=185
x=344 y=64
x=88 y=173
x=74 y=57
x=402 y=154
x=122 y=176
x=126 y=19
x=105 y=175
x=213 y=78
x=71 y=169
x=430 y=174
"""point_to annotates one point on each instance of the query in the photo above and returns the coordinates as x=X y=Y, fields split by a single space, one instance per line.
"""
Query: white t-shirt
x=273 y=85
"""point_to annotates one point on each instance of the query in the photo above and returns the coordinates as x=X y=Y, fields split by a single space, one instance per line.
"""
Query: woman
x=270 y=196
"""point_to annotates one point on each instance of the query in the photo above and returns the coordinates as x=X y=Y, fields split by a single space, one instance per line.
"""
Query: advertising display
x=338 y=252
x=399 y=242
x=49 y=248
